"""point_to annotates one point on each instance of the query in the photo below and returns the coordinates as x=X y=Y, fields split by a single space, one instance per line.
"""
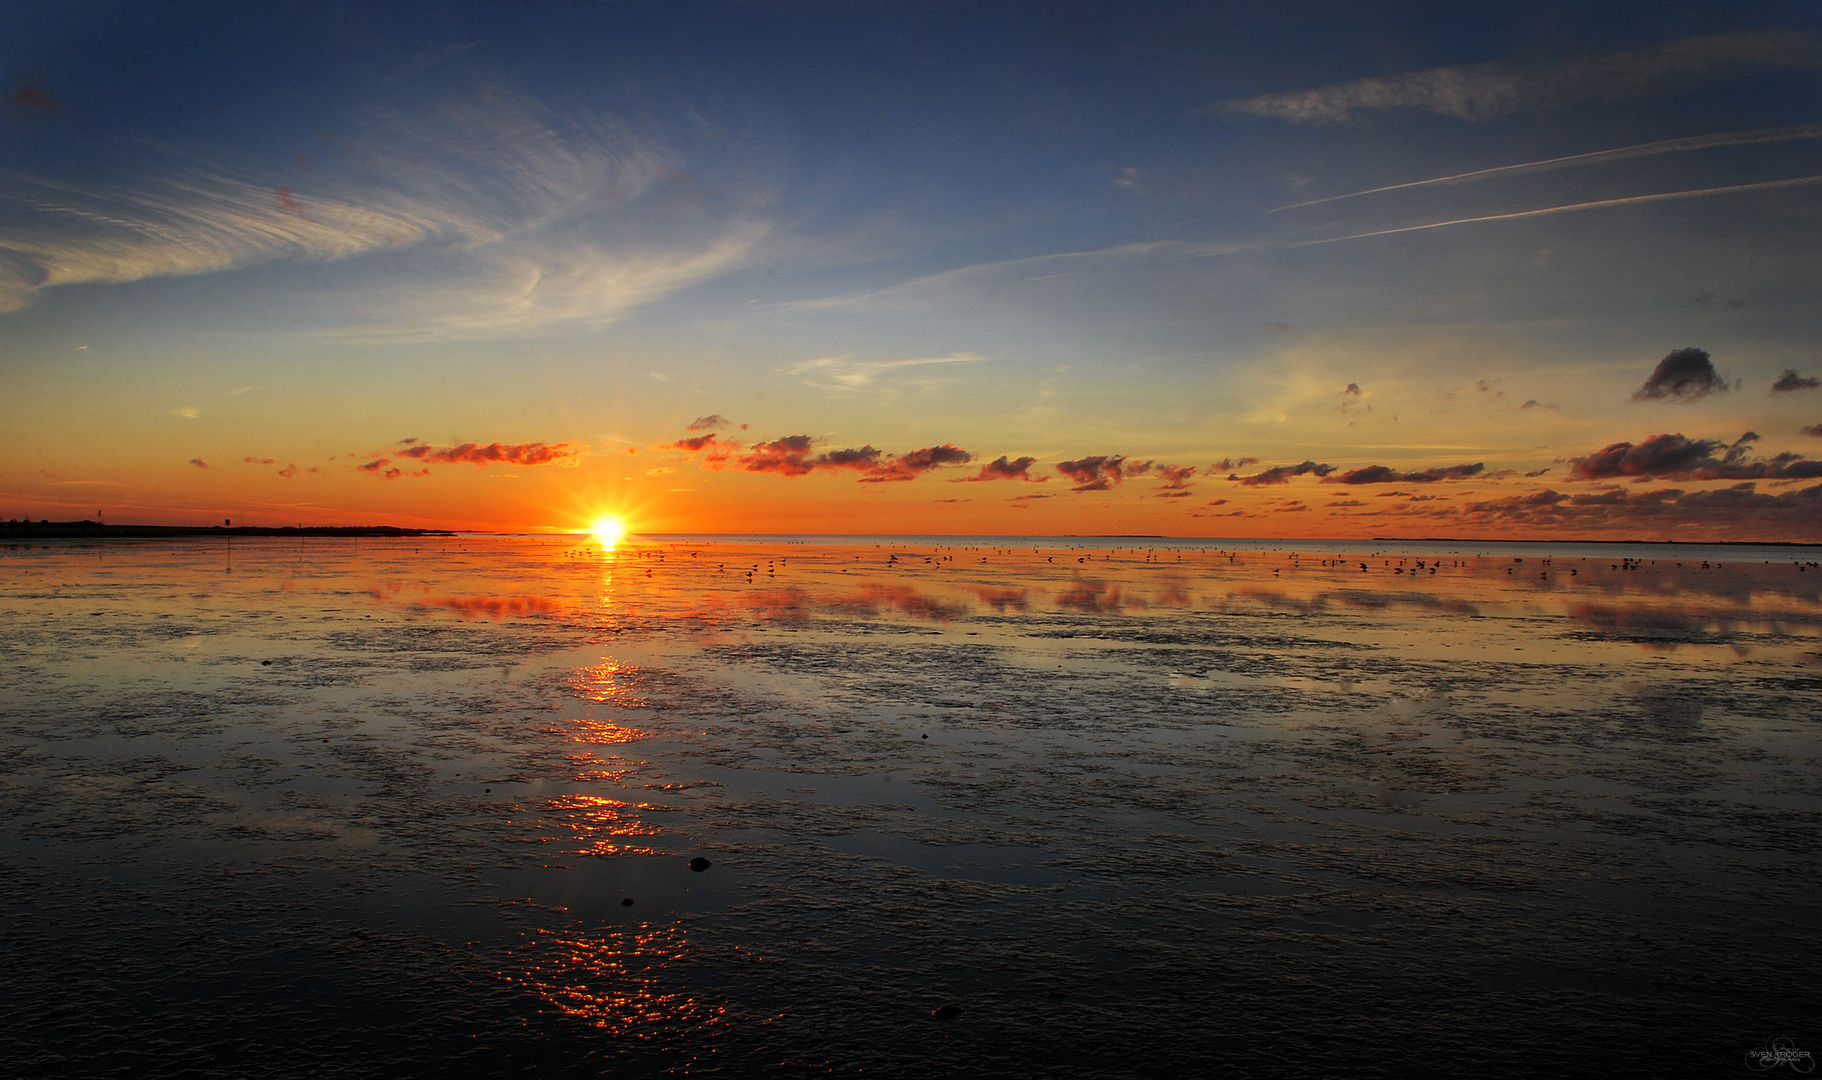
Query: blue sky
x=1413 y=236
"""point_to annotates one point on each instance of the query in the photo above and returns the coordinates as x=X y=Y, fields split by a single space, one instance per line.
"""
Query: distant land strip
x=95 y=530
x=1572 y=540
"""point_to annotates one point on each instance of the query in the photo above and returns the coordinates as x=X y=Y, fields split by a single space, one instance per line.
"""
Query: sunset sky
x=1192 y=270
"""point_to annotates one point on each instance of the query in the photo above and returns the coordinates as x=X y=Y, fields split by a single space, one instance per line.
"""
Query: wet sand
x=373 y=807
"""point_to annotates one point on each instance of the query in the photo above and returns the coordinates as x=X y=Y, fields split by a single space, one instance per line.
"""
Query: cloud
x=549 y=287
x=1381 y=474
x=257 y=461
x=496 y=453
x=696 y=443
x=199 y=463
x=1684 y=374
x=708 y=423
x=1570 y=208
x=1002 y=469
x=1730 y=512
x=1102 y=471
x=910 y=466
x=791 y=456
x=1229 y=465
x=1484 y=92
x=520 y=218
x=1176 y=477
x=1533 y=403
x=1674 y=457
x=1352 y=390
x=1281 y=474
x=1812 y=430
x=1754 y=137
x=1790 y=382
x=845 y=375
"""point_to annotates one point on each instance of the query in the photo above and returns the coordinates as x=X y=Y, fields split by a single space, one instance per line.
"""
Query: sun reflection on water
x=608 y=682
x=617 y=979
x=596 y=821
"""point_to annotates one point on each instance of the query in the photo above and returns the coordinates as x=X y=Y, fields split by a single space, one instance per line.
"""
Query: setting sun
x=608 y=529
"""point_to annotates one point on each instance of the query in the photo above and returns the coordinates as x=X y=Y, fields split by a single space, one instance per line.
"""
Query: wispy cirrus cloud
x=846 y=375
x=1570 y=208
x=523 y=219
x=1483 y=92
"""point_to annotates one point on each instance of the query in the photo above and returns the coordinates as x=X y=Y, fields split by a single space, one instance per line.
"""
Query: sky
x=1343 y=271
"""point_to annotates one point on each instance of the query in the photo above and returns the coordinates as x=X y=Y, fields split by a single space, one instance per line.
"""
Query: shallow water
x=372 y=808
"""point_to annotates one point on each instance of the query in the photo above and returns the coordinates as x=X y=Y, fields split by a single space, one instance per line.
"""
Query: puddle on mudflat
x=1161 y=810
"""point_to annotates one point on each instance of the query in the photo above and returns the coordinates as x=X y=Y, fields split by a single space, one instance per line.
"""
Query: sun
x=608 y=529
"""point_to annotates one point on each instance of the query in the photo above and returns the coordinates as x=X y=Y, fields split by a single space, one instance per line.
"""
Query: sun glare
x=608 y=529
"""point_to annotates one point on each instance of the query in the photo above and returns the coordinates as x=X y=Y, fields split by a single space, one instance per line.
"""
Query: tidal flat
x=427 y=806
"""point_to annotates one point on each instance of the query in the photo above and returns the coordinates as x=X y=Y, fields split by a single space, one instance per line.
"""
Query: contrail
x=1755 y=137
x=1630 y=200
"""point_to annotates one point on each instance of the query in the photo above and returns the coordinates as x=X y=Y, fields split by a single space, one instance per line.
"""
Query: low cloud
x=1176 y=477
x=1382 y=474
x=710 y=422
x=1673 y=457
x=497 y=453
x=199 y=463
x=1790 y=382
x=1686 y=374
x=1813 y=430
x=793 y=456
x=1726 y=512
x=1226 y=465
x=696 y=443
x=1281 y=474
x=1102 y=471
x=914 y=464
x=1002 y=469
x=1485 y=92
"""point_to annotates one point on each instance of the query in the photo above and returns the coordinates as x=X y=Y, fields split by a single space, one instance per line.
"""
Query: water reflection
x=620 y=979
x=493 y=607
x=596 y=824
x=1315 y=748
x=608 y=682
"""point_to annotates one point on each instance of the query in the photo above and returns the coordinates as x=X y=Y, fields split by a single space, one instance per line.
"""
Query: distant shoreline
x=1630 y=543
x=95 y=530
